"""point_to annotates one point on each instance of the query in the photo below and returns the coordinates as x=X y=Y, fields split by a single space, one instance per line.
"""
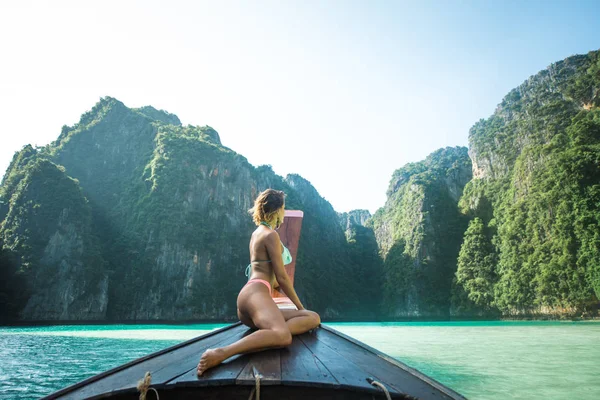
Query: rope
x=256 y=388
x=380 y=386
x=144 y=385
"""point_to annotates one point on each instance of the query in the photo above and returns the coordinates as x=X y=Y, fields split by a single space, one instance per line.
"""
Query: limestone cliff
x=419 y=231
x=56 y=257
x=169 y=206
x=535 y=189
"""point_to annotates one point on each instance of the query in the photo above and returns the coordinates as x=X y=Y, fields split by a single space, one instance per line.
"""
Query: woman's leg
x=255 y=301
x=244 y=319
x=300 y=321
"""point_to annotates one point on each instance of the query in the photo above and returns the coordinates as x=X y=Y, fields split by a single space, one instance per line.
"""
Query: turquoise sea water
x=481 y=360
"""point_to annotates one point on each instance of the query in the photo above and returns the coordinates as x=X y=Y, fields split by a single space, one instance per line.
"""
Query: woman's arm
x=273 y=244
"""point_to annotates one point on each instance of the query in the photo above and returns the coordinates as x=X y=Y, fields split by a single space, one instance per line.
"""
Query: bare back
x=260 y=258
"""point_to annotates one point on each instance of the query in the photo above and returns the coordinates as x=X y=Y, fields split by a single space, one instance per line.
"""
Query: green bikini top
x=285 y=254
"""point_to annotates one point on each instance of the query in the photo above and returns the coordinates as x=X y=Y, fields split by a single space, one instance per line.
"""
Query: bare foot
x=209 y=359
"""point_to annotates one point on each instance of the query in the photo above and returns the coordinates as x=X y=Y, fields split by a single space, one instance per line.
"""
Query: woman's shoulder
x=261 y=233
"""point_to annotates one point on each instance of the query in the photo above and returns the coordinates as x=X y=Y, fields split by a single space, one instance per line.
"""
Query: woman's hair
x=266 y=205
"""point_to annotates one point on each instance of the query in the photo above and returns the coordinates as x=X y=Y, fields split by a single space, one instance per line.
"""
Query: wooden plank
x=190 y=364
x=348 y=374
x=187 y=364
x=224 y=374
x=380 y=368
x=163 y=367
x=300 y=365
x=410 y=370
x=267 y=363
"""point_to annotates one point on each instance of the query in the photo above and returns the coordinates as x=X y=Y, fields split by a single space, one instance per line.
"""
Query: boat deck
x=323 y=363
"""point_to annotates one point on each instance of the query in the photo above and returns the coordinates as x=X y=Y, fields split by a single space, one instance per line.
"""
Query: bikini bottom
x=256 y=280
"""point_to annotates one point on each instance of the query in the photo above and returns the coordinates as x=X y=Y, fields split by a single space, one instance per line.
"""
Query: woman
x=256 y=308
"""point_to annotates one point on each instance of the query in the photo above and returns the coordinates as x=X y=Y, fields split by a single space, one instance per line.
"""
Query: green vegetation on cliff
x=476 y=270
x=150 y=219
x=365 y=270
x=129 y=215
x=419 y=232
x=537 y=189
x=47 y=244
x=329 y=273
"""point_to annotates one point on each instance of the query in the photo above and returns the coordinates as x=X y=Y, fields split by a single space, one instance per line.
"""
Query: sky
x=340 y=92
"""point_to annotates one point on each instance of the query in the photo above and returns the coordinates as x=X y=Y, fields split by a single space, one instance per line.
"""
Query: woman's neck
x=270 y=224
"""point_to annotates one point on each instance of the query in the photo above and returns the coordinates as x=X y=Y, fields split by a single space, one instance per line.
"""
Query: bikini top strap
x=265 y=224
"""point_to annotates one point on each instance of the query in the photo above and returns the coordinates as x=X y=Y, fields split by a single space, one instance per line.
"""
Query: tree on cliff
x=475 y=273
